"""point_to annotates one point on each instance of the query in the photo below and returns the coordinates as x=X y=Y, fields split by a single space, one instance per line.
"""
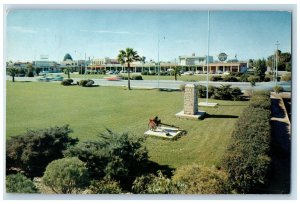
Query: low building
x=47 y=66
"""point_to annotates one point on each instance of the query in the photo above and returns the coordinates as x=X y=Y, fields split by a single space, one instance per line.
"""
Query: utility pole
x=276 y=60
x=85 y=65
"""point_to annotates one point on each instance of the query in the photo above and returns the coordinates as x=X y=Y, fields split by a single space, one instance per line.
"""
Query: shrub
x=117 y=156
x=236 y=93
x=216 y=78
x=267 y=79
x=137 y=77
x=198 y=179
x=86 y=83
x=105 y=186
x=145 y=73
x=278 y=89
x=247 y=158
x=151 y=184
x=67 y=175
x=230 y=79
x=223 y=92
x=286 y=77
x=67 y=82
x=34 y=150
x=244 y=77
x=253 y=80
x=202 y=91
x=18 y=183
x=30 y=73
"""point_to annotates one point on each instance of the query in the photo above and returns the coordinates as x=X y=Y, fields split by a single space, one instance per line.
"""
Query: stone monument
x=190 y=107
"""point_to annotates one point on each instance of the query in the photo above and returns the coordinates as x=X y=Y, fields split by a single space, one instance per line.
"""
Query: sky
x=102 y=33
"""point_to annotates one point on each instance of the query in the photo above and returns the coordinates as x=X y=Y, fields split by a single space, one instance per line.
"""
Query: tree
x=198 y=179
x=12 y=71
x=30 y=70
x=260 y=69
x=35 y=149
x=67 y=57
x=37 y=71
x=176 y=72
x=112 y=155
x=143 y=59
x=67 y=175
x=18 y=183
x=126 y=57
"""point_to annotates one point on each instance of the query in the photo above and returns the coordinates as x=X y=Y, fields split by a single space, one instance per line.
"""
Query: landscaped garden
x=89 y=111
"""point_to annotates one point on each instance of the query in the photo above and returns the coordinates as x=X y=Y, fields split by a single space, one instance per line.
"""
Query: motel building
x=186 y=63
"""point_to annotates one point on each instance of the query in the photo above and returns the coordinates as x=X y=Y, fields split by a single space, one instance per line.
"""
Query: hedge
x=247 y=158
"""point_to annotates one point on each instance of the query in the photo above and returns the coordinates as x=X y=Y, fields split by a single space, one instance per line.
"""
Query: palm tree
x=126 y=57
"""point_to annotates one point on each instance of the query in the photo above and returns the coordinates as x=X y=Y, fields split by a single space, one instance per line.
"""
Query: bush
x=230 y=79
x=278 y=89
x=34 y=150
x=117 y=156
x=137 y=77
x=105 y=186
x=260 y=100
x=216 y=78
x=286 y=77
x=253 y=80
x=67 y=82
x=247 y=158
x=67 y=175
x=224 y=92
x=145 y=73
x=202 y=91
x=151 y=184
x=198 y=179
x=18 y=183
x=86 y=83
x=267 y=79
x=30 y=73
x=236 y=94
x=244 y=77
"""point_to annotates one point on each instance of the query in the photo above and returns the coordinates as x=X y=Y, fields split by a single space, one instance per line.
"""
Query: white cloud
x=22 y=29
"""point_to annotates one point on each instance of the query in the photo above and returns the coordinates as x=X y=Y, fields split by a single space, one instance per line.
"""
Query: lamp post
x=158 y=63
x=276 y=60
x=207 y=57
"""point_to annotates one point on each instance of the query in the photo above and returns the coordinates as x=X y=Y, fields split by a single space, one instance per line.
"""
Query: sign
x=222 y=56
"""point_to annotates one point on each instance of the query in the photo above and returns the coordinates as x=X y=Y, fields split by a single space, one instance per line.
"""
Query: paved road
x=170 y=84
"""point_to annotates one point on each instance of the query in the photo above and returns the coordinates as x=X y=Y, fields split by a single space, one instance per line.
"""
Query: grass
x=192 y=78
x=34 y=105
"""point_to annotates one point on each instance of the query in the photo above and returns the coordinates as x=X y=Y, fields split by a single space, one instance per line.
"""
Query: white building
x=194 y=60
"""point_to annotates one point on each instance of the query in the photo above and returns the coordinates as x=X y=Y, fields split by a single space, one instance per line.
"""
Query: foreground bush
x=18 y=183
x=137 y=77
x=247 y=158
x=104 y=186
x=198 y=179
x=67 y=175
x=33 y=151
x=151 y=184
x=67 y=82
x=117 y=156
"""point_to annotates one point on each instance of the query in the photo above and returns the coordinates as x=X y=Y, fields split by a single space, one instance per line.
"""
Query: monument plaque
x=190 y=100
x=190 y=106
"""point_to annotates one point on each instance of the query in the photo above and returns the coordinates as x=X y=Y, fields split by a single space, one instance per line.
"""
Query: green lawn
x=91 y=110
x=201 y=77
